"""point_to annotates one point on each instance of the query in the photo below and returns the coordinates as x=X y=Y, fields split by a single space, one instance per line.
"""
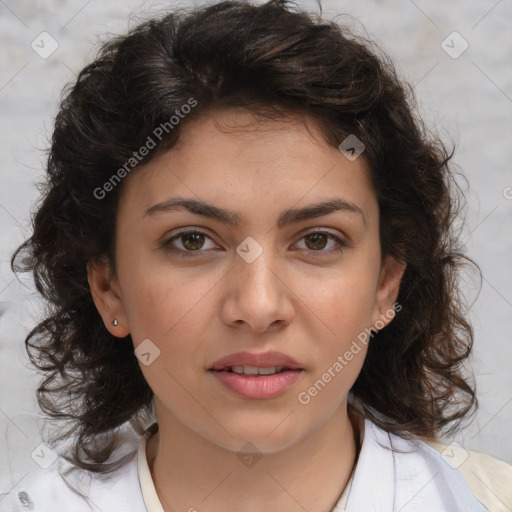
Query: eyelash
x=187 y=254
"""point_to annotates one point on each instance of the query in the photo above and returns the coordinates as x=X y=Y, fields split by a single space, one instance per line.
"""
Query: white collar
x=391 y=474
x=149 y=494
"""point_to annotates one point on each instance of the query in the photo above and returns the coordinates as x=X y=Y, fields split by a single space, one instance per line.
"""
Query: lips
x=257 y=376
x=262 y=360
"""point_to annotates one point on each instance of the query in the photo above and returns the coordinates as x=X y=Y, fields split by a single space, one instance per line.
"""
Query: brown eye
x=192 y=241
x=188 y=243
x=318 y=241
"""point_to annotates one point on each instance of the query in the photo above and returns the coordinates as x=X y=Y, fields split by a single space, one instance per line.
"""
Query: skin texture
x=300 y=297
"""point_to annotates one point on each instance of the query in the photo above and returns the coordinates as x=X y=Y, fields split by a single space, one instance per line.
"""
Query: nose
x=258 y=297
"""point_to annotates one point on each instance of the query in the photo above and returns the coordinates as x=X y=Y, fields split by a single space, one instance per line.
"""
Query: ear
x=387 y=292
x=106 y=296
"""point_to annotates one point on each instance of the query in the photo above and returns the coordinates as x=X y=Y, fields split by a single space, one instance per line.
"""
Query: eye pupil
x=195 y=237
x=318 y=238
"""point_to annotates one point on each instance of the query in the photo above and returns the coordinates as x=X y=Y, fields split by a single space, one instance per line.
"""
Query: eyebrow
x=232 y=218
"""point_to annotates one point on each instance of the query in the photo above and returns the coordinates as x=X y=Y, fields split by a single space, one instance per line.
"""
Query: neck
x=192 y=473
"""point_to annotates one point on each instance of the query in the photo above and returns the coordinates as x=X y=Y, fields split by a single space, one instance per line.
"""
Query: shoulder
x=40 y=491
x=407 y=475
x=53 y=490
x=489 y=478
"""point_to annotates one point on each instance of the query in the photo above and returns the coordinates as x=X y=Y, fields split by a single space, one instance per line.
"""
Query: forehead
x=234 y=157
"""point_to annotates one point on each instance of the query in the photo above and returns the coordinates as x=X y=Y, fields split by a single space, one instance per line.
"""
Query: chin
x=268 y=433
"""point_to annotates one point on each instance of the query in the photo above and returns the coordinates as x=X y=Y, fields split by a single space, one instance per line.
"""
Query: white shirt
x=416 y=478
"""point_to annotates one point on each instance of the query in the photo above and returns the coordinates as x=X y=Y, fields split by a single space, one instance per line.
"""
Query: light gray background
x=469 y=98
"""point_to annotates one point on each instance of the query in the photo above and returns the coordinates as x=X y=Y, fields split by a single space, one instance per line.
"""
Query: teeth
x=255 y=370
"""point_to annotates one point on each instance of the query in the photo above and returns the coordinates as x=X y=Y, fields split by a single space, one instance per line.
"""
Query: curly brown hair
x=270 y=59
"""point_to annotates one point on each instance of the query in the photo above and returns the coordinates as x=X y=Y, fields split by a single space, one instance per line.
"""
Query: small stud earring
x=115 y=322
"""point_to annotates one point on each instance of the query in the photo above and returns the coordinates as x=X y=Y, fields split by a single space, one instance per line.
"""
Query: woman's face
x=265 y=272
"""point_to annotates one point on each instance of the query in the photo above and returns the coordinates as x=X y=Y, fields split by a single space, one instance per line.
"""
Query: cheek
x=172 y=315
x=345 y=305
x=166 y=306
x=344 y=300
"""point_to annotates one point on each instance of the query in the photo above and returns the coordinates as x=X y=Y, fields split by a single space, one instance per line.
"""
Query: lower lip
x=257 y=386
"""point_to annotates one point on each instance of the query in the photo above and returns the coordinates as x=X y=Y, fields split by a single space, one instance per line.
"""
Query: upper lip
x=260 y=360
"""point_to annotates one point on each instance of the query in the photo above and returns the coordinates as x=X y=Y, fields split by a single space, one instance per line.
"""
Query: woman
x=246 y=239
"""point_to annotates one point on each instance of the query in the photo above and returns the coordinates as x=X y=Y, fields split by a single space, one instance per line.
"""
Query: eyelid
x=325 y=230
